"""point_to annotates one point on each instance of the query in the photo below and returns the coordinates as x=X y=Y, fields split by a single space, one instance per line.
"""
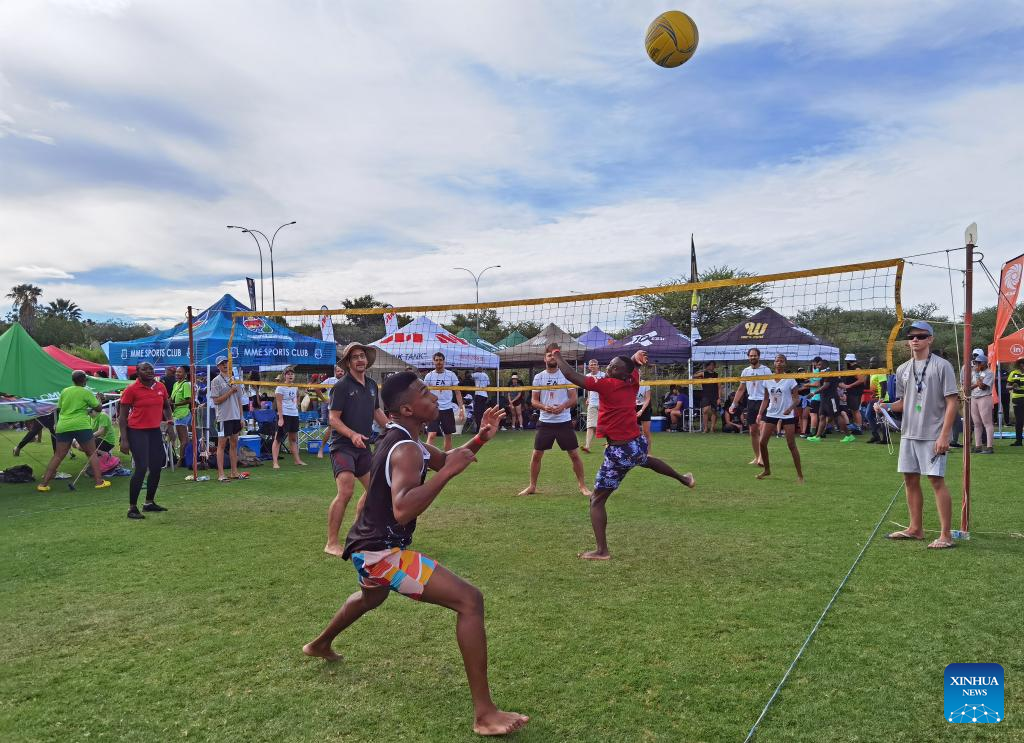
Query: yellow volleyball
x=671 y=38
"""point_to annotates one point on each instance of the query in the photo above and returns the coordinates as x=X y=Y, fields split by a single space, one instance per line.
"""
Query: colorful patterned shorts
x=619 y=459
x=403 y=571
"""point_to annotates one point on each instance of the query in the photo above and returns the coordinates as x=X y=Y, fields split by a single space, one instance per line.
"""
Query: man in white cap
x=929 y=400
x=354 y=406
x=228 y=399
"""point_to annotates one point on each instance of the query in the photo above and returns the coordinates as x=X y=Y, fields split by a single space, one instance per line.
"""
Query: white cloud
x=40 y=273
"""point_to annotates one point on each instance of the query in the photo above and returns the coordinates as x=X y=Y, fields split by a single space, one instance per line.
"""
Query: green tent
x=26 y=370
x=468 y=334
x=512 y=339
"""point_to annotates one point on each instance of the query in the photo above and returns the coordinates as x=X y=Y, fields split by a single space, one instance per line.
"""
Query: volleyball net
x=824 y=312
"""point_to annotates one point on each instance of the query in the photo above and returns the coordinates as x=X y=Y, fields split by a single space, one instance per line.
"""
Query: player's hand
x=759 y=418
x=125 y=449
x=786 y=412
x=358 y=440
x=941 y=445
x=490 y=423
x=457 y=460
x=280 y=420
x=640 y=357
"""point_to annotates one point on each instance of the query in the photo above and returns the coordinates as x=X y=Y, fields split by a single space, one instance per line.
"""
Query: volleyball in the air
x=671 y=38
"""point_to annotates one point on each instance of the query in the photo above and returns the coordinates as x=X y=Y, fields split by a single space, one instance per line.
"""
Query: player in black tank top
x=379 y=540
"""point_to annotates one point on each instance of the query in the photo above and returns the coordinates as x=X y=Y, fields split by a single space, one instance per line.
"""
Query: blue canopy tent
x=595 y=338
x=258 y=341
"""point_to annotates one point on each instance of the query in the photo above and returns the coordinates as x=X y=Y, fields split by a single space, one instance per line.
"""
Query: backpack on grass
x=18 y=473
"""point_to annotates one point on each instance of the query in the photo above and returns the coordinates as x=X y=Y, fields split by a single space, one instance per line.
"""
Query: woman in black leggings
x=145 y=407
x=35 y=426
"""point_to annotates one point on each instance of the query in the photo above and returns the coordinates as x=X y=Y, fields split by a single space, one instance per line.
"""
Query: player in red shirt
x=627 y=448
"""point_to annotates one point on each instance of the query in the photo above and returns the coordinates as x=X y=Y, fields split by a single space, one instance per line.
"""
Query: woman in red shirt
x=145 y=406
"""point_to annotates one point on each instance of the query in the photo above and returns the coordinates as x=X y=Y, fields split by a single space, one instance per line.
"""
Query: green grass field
x=189 y=625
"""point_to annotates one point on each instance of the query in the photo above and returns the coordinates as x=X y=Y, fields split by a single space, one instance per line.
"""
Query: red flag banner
x=1009 y=290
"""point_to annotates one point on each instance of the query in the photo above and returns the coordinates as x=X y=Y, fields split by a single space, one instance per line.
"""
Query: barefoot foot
x=499 y=723
x=277 y=466
x=334 y=549
x=764 y=474
x=689 y=480
x=300 y=464
x=585 y=491
x=530 y=490
x=315 y=651
x=594 y=555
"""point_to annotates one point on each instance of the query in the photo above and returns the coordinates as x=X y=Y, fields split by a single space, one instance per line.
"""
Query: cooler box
x=250 y=442
x=313 y=446
x=657 y=423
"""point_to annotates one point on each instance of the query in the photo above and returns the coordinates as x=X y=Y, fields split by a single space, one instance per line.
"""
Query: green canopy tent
x=512 y=339
x=468 y=334
x=26 y=370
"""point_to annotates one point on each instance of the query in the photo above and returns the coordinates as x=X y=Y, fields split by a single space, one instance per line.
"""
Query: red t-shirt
x=616 y=413
x=147 y=404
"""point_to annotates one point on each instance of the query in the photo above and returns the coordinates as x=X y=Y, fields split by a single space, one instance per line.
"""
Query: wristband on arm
x=477 y=440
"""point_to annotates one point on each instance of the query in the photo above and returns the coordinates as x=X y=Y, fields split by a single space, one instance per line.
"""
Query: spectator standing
x=593 y=404
x=515 y=404
x=325 y=408
x=877 y=389
x=1015 y=382
x=480 y=381
x=854 y=385
x=710 y=397
x=228 y=399
x=74 y=424
x=447 y=401
x=286 y=399
x=926 y=386
x=181 y=408
x=145 y=408
x=982 y=380
x=643 y=413
x=754 y=392
x=35 y=428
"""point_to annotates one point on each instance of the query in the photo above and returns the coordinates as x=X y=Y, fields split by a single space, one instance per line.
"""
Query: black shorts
x=231 y=428
x=548 y=433
x=709 y=402
x=102 y=445
x=351 y=459
x=82 y=436
x=773 y=420
x=753 y=408
x=828 y=406
x=291 y=425
x=646 y=415
x=445 y=423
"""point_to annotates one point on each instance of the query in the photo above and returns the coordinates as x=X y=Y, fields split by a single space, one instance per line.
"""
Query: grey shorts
x=592 y=416
x=918 y=457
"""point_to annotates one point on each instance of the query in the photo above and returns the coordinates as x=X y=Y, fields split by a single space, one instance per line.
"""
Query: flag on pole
x=390 y=323
x=694 y=299
x=1009 y=289
x=326 y=326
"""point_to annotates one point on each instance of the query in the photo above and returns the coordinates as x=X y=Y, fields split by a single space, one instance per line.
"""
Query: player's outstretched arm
x=408 y=497
x=568 y=372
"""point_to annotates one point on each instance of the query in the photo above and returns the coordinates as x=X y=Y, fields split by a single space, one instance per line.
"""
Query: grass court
x=188 y=625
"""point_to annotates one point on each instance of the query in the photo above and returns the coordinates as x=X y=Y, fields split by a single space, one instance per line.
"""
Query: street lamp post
x=259 y=248
x=476 y=280
x=270 y=244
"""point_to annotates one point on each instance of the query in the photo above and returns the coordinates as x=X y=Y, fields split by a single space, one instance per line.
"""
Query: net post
x=192 y=401
x=965 y=510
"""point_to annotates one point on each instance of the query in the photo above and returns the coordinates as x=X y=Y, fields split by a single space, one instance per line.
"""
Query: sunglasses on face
x=917 y=337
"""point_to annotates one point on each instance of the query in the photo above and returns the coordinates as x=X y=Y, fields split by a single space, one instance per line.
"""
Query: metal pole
x=965 y=511
x=273 y=294
x=192 y=401
x=476 y=281
x=259 y=247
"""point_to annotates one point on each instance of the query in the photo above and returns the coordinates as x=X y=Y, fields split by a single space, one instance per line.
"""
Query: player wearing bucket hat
x=354 y=406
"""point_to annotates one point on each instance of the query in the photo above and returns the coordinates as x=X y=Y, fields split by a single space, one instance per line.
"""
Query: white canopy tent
x=416 y=343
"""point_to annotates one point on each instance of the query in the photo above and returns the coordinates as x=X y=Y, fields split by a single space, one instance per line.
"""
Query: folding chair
x=311 y=428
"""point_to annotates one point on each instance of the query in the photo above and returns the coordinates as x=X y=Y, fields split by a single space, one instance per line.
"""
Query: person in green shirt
x=104 y=430
x=181 y=408
x=74 y=424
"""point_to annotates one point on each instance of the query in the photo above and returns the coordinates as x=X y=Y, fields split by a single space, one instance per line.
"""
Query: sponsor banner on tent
x=13 y=410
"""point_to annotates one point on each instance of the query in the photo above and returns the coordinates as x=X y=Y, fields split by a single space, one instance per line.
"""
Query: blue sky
x=444 y=134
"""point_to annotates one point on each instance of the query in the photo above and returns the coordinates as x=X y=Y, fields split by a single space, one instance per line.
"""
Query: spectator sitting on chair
x=227 y=397
x=287 y=403
x=672 y=407
x=73 y=424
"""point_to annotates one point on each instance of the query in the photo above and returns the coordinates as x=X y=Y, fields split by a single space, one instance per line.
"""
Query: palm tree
x=26 y=298
x=64 y=308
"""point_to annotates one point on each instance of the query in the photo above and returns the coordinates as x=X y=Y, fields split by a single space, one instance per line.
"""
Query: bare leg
x=534 y=473
x=430 y=438
x=944 y=505
x=233 y=453
x=663 y=468
x=577 y=468
x=589 y=440
x=51 y=468
x=221 y=440
x=360 y=602
x=449 y=590
x=755 y=441
x=275 y=450
x=293 y=442
x=89 y=448
x=599 y=522
x=765 y=434
x=323 y=443
x=346 y=482
x=447 y=442
x=791 y=443
x=914 y=504
x=182 y=432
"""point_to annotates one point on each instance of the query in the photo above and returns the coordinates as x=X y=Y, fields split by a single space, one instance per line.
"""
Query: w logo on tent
x=755 y=329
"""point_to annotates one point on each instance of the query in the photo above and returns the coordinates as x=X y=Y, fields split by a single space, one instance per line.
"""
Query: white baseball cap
x=850 y=357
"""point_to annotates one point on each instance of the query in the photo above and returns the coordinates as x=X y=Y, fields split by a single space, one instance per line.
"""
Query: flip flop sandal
x=899 y=535
x=224 y=479
x=241 y=476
